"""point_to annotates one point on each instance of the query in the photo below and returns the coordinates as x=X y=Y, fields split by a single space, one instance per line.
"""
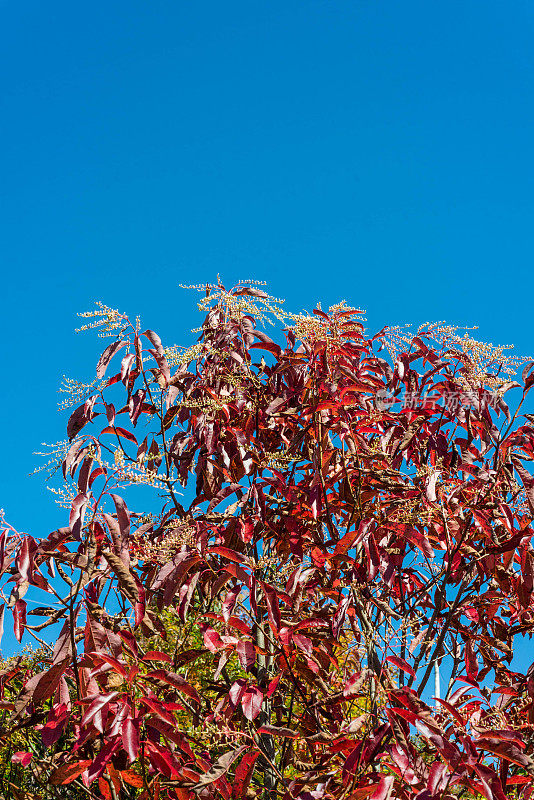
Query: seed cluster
x=411 y=512
x=174 y=538
x=398 y=338
x=425 y=470
x=277 y=459
x=239 y=301
x=334 y=330
x=206 y=405
x=277 y=572
x=375 y=447
x=55 y=454
x=486 y=365
x=136 y=473
x=64 y=496
x=107 y=319
x=77 y=392
x=177 y=355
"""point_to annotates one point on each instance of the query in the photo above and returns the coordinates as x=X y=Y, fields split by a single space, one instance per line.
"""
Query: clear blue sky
x=371 y=150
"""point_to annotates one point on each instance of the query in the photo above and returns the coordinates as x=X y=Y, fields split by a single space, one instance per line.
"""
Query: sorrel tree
x=292 y=569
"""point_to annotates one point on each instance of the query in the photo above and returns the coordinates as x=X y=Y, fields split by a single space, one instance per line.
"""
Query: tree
x=291 y=570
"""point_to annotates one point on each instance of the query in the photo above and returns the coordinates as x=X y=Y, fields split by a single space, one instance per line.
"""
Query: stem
x=437 y=686
x=265 y=663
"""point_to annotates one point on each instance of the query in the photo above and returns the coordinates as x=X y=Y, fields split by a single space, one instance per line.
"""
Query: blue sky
x=371 y=150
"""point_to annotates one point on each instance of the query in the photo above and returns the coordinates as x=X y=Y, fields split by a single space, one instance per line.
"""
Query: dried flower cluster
x=172 y=541
x=108 y=320
x=486 y=365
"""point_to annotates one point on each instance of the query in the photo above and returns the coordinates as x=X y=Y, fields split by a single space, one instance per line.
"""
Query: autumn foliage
x=295 y=566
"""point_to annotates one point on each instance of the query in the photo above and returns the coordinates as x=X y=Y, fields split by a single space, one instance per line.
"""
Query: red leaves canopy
x=336 y=520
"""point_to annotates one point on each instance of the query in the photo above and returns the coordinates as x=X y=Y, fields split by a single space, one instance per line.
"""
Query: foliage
x=272 y=548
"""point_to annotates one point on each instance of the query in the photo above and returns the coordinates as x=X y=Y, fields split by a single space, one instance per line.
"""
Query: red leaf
x=55 y=724
x=157 y=655
x=23 y=560
x=162 y=760
x=251 y=702
x=107 y=355
x=179 y=682
x=229 y=602
x=110 y=413
x=273 y=348
x=303 y=643
x=273 y=609
x=121 y=432
x=354 y=685
x=212 y=640
x=346 y=542
x=231 y=555
x=49 y=681
x=19 y=619
x=437 y=777
x=286 y=733
x=243 y=775
x=220 y=768
x=77 y=512
x=103 y=785
x=246 y=654
x=126 y=367
x=154 y=339
x=131 y=778
x=239 y=625
x=21 y=758
x=96 y=706
x=67 y=773
x=130 y=737
x=471 y=660
x=452 y=710
x=123 y=518
x=384 y=789
x=77 y=420
x=273 y=685
x=236 y=691
x=401 y=664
